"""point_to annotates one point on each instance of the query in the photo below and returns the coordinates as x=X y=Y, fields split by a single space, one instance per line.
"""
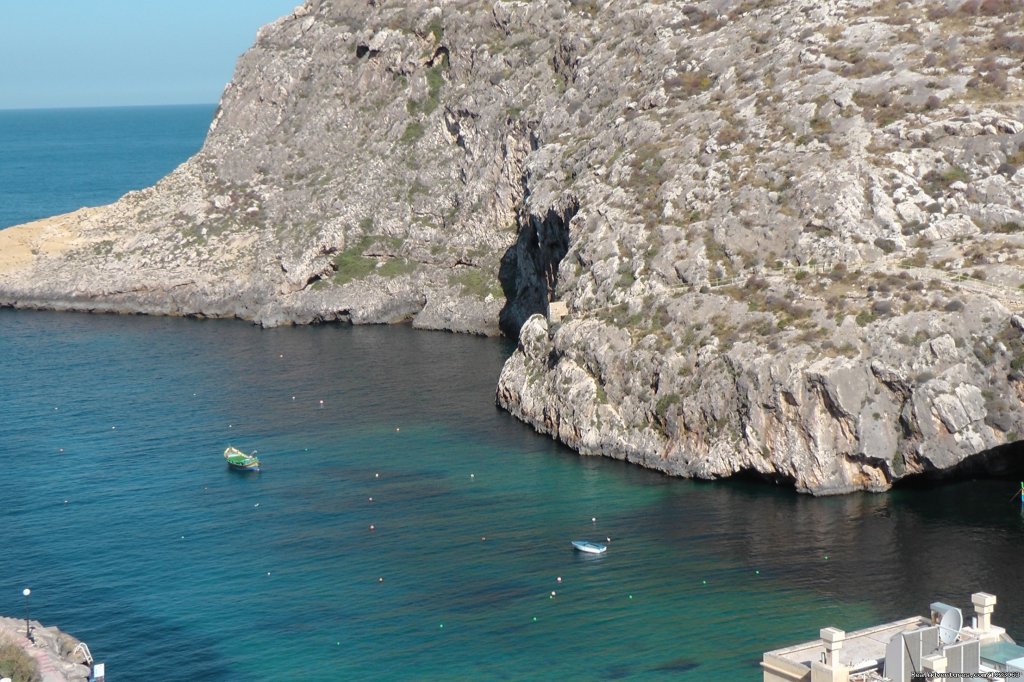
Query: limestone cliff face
x=788 y=234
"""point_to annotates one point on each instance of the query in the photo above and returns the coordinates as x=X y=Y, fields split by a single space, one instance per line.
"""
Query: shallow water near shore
x=121 y=516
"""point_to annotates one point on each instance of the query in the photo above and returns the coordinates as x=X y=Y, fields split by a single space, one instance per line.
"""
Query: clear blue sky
x=84 y=53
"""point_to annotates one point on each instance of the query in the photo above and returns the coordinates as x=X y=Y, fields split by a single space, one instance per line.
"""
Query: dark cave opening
x=1005 y=462
x=529 y=269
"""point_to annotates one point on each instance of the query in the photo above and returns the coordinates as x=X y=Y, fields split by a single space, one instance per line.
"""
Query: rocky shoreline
x=59 y=657
x=789 y=237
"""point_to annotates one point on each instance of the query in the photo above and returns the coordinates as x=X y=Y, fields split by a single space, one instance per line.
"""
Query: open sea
x=404 y=528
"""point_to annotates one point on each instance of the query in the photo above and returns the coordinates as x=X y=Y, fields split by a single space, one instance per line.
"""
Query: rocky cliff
x=50 y=656
x=788 y=235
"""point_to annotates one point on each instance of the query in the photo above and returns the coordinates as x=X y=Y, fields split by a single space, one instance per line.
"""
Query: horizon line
x=108 y=106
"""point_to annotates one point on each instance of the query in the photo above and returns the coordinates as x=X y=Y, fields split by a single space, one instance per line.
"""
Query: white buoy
x=558 y=579
x=371 y=499
x=376 y=475
x=65 y=501
x=373 y=527
x=268 y=572
x=593 y=519
x=472 y=475
x=257 y=504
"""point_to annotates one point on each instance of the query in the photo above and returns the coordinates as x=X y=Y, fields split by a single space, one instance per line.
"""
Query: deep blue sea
x=404 y=528
x=58 y=160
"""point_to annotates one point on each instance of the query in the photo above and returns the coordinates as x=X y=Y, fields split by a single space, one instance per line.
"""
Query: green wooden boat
x=239 y=460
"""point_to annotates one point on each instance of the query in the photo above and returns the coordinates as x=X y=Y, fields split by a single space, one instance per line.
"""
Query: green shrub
x=350 y=264
x=396 y=267
x=665 y=404
x=864 y=318
x=475 y=282
x=413 y=132
x=16 y=664
x=436 y=28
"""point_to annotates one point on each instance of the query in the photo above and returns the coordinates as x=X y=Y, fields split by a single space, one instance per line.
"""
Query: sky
x=88 y=53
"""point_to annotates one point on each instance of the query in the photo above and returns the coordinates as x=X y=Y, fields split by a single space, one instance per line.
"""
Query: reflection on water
x=406 y=528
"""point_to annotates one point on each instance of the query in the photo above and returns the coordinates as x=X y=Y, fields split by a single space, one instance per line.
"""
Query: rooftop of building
x=862 y=649
x=861 y=654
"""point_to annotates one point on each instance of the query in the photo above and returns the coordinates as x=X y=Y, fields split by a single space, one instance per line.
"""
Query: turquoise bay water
x=117 y=510
x=121 y=516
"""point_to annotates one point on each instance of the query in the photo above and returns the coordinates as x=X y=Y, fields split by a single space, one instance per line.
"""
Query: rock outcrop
x=56 y=656
x=788 y=234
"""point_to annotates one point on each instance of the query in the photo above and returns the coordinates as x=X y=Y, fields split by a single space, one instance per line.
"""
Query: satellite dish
x=949 y=626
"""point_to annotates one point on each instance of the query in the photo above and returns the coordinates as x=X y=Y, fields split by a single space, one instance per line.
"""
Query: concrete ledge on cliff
x=56 y=653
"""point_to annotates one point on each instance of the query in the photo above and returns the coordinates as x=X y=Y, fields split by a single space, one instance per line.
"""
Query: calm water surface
x=117 y=510
x=120 y=515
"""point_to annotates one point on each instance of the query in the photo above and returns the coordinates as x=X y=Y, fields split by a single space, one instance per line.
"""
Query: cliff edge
x=787 y=236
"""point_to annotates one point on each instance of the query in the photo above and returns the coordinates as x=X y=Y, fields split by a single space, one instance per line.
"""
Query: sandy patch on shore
x=22 y=244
